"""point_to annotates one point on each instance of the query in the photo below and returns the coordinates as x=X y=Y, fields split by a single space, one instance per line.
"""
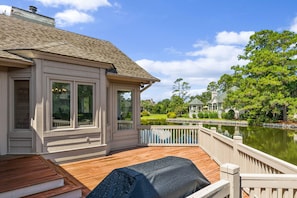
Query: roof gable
x=19 y=35
x=196 y=101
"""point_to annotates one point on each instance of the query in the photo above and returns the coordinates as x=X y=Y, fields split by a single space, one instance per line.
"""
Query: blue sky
x=197 y=40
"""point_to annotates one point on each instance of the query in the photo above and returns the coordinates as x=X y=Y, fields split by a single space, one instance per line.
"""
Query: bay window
x=72 y=104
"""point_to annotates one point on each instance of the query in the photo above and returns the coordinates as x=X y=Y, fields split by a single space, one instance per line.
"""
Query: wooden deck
x=23 y=171
x=91 y=172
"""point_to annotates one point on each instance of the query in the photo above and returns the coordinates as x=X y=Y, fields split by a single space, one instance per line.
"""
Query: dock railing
x=261 y=175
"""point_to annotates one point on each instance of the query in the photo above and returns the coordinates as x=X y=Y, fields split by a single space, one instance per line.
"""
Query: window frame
x=73 y=104
x=13 y=97
x=116 y=113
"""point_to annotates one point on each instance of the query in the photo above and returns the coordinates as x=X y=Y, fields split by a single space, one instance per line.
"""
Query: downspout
x=146 y=87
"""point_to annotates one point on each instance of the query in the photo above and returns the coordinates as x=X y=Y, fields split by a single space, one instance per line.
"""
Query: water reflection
x=281 y=143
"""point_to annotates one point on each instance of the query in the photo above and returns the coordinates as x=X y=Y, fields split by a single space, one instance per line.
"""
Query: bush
x=145 y=113
x=230 y=115
x=205 y=115
x=200 y=115
x=171 y=115
x=213 y=115
x=194 y=115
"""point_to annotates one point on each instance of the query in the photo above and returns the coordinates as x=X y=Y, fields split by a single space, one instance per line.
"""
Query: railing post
x=200 y=126
x=236 y=140
x=212 y=142
x=230 y=172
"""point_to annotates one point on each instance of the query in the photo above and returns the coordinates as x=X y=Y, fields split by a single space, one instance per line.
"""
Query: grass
x=154 y=117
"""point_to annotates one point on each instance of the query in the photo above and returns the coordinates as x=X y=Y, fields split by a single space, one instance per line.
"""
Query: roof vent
x=33 y=9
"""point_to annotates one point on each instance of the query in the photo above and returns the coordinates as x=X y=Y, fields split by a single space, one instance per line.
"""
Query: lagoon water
x=281 y=143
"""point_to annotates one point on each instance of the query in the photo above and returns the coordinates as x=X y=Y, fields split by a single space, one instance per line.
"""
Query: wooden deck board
x=24 y=171
x=91 y=172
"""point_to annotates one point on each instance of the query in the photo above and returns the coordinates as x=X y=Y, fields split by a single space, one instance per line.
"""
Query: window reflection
x=60 y=104
x=124 y=110
x=85 y=105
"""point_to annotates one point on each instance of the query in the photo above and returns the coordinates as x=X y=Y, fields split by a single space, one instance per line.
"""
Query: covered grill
x=165 y=177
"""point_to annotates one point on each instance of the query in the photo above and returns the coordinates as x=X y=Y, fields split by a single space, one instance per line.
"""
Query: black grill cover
x=166 y=177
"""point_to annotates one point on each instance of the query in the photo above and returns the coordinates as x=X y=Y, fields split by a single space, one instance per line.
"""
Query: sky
x=196 y=40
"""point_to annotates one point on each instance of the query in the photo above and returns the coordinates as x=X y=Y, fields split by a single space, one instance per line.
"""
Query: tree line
x=266 y=86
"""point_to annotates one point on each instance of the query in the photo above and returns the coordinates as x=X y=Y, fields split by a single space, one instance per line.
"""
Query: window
x=67 y=114
x=124 y=110
x=85 y=105
x=21 y=104
x=61 y=101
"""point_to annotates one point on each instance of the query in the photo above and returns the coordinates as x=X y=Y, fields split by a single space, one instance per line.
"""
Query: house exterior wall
x=101 y=138
x=19 y=140
x=3 y=111
x=121 y=139
x=74 y=137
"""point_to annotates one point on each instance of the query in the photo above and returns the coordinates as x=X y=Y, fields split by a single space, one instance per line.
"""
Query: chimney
x=33 y=9
x=32 y=16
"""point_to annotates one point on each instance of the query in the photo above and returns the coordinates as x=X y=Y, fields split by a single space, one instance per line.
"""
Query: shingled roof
x=17 y=35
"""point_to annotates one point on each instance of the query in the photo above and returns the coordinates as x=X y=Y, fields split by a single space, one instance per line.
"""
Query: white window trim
x=133 y=97
x=73 y=104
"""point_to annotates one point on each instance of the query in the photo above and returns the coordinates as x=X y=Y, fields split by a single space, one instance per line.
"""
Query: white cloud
x=206 y=63
x=71 y=17
x=76 y=4
x=293 y=27
x=74 y=11
x=234 y=38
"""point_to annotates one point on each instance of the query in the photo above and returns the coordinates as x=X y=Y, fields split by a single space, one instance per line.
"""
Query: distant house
x=65 y=95
x=195 y=106
x=216 y=102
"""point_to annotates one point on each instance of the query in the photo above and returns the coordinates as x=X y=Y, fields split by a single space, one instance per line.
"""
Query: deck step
x=27 y=175
x=33 y=176
x=66 y=191
x=69 y=179
x=32 y=189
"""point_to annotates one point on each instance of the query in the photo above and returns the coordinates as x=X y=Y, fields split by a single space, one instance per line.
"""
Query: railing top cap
x=230 y=168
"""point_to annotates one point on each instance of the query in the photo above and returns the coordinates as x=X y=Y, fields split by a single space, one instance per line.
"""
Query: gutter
x=143 y=88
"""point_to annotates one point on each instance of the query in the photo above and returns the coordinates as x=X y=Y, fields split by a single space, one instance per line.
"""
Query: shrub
x=194 y=115
x=145 y=113
x=206 y=115
x=213 y=115
x=200 y=115
x=171 y=115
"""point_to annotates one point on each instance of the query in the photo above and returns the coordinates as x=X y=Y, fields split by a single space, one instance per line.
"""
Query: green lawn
x=154 y=117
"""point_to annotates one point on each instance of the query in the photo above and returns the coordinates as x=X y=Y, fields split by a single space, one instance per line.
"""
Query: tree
x=147 y=105
x=212 y=86
x=204 y=97
x=161 y=107
x=226 y=82
x=181 y=88
x=267 y=83
x=177 y=105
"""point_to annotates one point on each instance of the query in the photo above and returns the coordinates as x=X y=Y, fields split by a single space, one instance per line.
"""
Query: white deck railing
x=225 y=150
x=270 y=185
x=261 y=175
x=168 y=135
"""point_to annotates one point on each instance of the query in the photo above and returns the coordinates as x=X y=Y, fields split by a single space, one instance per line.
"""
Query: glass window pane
x=85 y=104
x=21 y=104
x=124 y=113
x=60 y=104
